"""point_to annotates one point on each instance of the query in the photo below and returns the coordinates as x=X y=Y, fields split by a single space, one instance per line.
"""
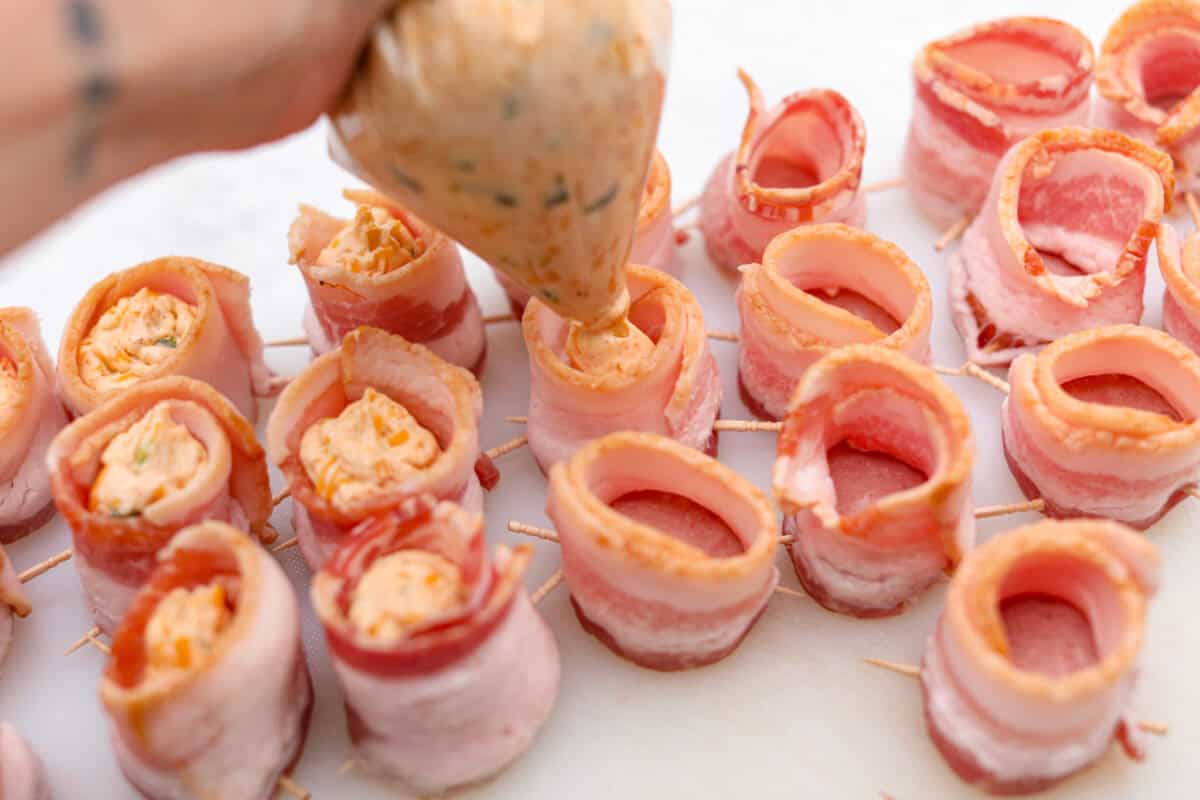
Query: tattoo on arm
x=97 y=88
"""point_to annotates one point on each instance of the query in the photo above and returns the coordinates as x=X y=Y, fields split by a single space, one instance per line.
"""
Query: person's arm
x=93 y=91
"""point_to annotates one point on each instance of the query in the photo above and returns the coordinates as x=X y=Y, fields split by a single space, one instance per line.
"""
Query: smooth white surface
x=793 y=712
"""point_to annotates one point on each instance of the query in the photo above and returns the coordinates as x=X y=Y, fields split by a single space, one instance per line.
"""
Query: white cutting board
x=793 y=712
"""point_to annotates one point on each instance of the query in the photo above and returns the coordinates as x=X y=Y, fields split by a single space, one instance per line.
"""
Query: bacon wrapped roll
x=1180 y=267
x=1148 y=74
x=873 y=477
x=447 y=670
x=21 y=774
x=1029 y=674
x=653 y=373
x=30 y=416
x=1061 y=243
x=12 y=603
x=206 y=692
x=979 y=92
x=1106 y=423
x=798 y=164
x=170 y=316
x=669 y=555
x=162 y=455
x=387 y=269
x=368 y=425
x=819 y=288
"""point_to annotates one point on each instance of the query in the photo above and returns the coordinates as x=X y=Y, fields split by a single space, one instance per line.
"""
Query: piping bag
x=524 y=129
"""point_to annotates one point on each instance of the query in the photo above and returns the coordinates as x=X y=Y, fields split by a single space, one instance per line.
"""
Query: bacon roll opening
x=162 y=455
x=1028 y=676
x=13 y=602
x=655 y=373
x=669 y=555
x=799 y=163
x=386 y=269
x=30 y=416
x=873 y=476
x=206 y=692
x=819 y=288
x=368 y=425
x=447 y=670
x=1180 y=268
x=21 y=773
x=980 y=91
x=1105 y=423
x=1061 y=243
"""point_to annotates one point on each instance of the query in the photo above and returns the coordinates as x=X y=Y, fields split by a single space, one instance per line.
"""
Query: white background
x=793 y=712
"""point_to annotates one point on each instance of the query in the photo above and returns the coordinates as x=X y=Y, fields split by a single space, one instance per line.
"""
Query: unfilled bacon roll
x=447 y=670
x=162 y=455
x=1106 y=423
x=13 y=603
x=1061 y=243
x=30 y=416
x=873 y=476
x=21 y=773
x=1147 y=74
x=819 y=288
x=654 y=373
x=982 y=90
x=797 y=164
x=1029 y=674
x=669 y=555
x=388 y=269
x=206 y=692
x=1180 y=267
x=368 y=425
x=170 y=316
x=653 y=243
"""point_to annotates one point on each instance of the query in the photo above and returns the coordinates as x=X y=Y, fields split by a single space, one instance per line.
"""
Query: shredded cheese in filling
x=155 y=457
x=375 y=243
x=184 y=629
x=402 y=590
x=374 y=442
x=132 y=337
x=622 y=349
x=10 y=387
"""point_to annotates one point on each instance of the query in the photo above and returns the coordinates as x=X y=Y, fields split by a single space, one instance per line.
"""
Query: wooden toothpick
x=279 y=498
x=972 y=370
x=45 y=566
x=547 y=587
x=289 y=785
x=789 y=592
x=507 y=447
x=94 y=640
x=1193 y=208
x=82 y=640
x=883 y=186
x=298 y=341
x=746 y=426
x=517 y=420
x=286 y=545
x=951 y=233
x=1192 y=491
x=986 y=512
x=723 y=336
x=531 y=530
x=493 y=319
x=685 y=206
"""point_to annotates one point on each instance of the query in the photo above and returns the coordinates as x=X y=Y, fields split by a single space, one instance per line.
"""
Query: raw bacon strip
x=463 y=692
x=798 y=164
x=1028 y=676
x=819 y=288
x=226 y=719
x=12 y=603
x=668 y=554
x=114 y=555
x=30 y=416
x=1180 y=267
x=222 y=348
x=443 y=398
x=982 y=90
x=427 y=300
x=675 y=391
x=21 y=773
x=1148 y=75
x=1105 y=423
x=874 y=479
x=653 y=243
x=1060 y=244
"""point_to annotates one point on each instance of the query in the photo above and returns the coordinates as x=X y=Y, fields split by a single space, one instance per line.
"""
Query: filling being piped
x=131 y=338
x=622 y=349
x=374 y=243
x=403 y=590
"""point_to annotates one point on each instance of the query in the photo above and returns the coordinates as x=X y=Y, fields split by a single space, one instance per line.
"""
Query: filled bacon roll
x=1106 y=423
x=653 y=242
x=387 y=269
x=873 y=476
x=669 y=555
x=162 y=455
x=978 y=92
x=30 y=416
x=1147 y=74
x=1029 y=674
x=1061 y=243
x=654 y=373
x=170 y=316
x=447 y=670
x=206 y=692
x=1180 y=267
x=21 y=773
x=797 y=164
x=819 y=288
x=368 y=425
x=13 y=603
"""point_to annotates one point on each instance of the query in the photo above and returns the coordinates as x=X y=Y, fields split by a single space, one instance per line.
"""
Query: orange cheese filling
x=374 y=243
x=132 y=337
x=621 y=348
x=403 y=590
x=185 y=628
